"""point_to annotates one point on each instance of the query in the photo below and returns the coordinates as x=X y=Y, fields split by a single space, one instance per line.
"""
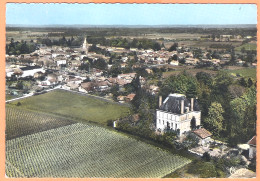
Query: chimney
x=160 y=101
x=182 y=106
x=191 y=104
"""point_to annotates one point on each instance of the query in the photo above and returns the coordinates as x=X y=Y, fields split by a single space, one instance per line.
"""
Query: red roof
x=130 y=96
x=202 y=133
x=252 y=141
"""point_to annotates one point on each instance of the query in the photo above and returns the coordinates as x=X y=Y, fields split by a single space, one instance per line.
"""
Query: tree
x=100 y=64
x=249 y=82
x=221 y=83
x=243 y=82
x=204 y=77
x=115 y=91
x=115 y=70
x=156 y=46
x=193 y=123
x=214 y=120
x=182 y=83
x=243 y=116
x=206 y=156
x=173 y=47
x=236 y=90
x=175 y=57
x=233 y=57
x=19 y=85
x=197 y=53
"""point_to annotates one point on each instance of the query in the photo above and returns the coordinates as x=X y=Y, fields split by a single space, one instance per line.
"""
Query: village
x=112 y=76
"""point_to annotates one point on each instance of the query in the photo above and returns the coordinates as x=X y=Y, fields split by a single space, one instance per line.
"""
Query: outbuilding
x=203 y=135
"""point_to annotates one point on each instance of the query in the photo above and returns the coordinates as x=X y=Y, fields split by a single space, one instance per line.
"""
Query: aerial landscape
x=101 y=97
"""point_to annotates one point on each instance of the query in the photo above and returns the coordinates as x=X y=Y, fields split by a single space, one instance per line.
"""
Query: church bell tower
x=85 y=45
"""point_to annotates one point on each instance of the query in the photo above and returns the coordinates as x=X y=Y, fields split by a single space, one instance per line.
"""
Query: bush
x=252 y=165
x=203 y=169
x=18 y=104
x=110 y=122
x=206 y=157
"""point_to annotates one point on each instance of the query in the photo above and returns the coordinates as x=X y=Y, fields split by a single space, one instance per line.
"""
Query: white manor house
x=178 y=113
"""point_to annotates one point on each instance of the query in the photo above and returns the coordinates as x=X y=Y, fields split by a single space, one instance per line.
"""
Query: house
x=86 y=87
x=61 y=62
x=174 y=62
x=121 y=99
x=73 y=85
x=25 y=71
x=38 y=75
x=252 y=149
x=102 y=86
x=203 y=135
x=191 y=61
x=177 y=113
x=129 y=97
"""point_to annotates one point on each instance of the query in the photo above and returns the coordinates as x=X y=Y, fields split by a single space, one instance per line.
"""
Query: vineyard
x=21 y=122
x=81 y=150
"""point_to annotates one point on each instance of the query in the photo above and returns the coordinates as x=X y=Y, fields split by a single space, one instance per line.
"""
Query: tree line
x=142 y=43
x=20 y=47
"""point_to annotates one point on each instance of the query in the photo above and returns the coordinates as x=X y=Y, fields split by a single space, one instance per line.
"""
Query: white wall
x=176 y=121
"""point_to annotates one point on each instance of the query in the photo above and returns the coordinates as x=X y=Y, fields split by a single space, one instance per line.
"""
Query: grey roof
x=173 y=103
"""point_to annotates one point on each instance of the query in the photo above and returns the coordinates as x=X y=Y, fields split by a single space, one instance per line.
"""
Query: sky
x=130 y=14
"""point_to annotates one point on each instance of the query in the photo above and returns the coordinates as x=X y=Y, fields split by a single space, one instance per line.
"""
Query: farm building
x=178 y=113
x=252 y=149
x=203 y=135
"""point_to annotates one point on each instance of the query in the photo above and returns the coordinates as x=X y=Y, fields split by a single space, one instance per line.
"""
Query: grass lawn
x=192 y=71
x=247 y=46
x=244 y=72
x=74 y=105
x=8 y=97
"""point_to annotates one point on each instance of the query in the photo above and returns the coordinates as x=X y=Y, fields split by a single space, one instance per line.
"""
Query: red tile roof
x=252 y=141
x=130 y=96
x=202 y=133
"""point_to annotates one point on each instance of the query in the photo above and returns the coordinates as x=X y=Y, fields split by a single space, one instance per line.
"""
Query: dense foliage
x=143 y=43
x=17 y=48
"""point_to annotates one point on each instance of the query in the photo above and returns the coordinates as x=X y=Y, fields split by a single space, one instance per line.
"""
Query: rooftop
x=202 y=133
x=252 y=141
x=173 y=103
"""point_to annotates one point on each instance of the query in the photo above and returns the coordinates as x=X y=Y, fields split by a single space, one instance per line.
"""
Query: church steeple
x=85 y=44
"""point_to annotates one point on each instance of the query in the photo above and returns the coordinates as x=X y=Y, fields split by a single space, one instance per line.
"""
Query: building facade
x=178 y=113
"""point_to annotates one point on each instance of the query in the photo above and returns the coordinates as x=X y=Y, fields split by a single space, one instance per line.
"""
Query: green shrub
x=110 y=122
x=203 y=169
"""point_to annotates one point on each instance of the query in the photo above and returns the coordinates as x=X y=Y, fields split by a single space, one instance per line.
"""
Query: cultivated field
x=21 y=122
x=247 y=46
x=81 y=150
x=244 y=72
x=75 y=106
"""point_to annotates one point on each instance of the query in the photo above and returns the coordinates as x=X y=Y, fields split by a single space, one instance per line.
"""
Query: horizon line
x=122 y=25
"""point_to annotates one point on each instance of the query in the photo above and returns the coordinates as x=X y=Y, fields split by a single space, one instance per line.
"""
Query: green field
x=244 y=72
x=74 y=106
x=247 y=46
x=81 y=150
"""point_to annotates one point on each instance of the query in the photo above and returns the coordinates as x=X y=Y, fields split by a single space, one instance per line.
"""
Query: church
x=178 y=113
x=85 y=45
